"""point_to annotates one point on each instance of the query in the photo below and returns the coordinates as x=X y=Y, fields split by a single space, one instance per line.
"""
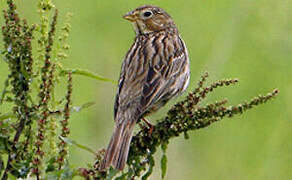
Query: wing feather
x=160 y=84
x=150 y=72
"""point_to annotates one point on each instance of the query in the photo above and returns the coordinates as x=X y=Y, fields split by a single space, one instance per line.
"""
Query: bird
x=155 y=69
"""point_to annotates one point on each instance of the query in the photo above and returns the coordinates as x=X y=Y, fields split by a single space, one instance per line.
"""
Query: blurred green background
x=249 y=40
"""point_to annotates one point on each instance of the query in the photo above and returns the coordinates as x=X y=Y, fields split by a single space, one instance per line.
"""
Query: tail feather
x=122 y=156
x=112 y=148
x=118 y=148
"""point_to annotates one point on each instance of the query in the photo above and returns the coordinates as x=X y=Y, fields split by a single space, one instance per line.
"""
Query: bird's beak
x=130 y=16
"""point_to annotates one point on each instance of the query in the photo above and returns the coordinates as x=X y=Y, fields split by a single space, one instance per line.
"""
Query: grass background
x=249 y=40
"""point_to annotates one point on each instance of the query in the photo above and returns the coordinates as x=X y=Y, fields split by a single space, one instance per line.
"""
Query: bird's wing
x=126 y=93
x=162 y=80
x=149 y=73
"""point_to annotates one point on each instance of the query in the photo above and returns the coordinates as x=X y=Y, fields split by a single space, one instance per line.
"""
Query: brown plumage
x=155 y=69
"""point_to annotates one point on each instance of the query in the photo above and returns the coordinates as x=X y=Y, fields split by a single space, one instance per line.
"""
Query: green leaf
x=122 y=177
x=186 y=135
x=52 y=176
x=88 y=74
x=112 y=173
x=72 y=142
x=163 y=166
x=1 y=165
x=51 y=166
x=6 y=84
x=4 y=144
x=130 y=174
x=73 y=109
x=67 y=173
x=7 y=116
x=11 y=177
x=164 y=146
x=150 y=170
x=83 y=106
x=163 y=163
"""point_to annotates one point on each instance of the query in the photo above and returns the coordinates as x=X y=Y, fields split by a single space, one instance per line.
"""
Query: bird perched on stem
x=154 y=70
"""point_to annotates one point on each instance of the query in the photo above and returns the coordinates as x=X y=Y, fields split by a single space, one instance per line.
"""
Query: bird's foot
x=150 y=126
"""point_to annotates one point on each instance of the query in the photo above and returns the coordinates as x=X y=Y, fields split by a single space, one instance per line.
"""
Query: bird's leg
x=150 y=126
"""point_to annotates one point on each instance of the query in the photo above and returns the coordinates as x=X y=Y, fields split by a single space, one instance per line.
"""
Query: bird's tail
x=118 y=148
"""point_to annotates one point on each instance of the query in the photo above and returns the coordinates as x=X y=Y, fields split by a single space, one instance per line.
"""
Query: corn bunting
x=154 y=70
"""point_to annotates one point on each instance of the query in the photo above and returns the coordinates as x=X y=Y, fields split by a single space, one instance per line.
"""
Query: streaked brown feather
x=155 y=69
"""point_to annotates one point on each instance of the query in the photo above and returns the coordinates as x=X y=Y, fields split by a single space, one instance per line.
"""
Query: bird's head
x=147 y=19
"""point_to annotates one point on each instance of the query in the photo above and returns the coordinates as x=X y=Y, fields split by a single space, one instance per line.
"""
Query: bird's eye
x=147 y=14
